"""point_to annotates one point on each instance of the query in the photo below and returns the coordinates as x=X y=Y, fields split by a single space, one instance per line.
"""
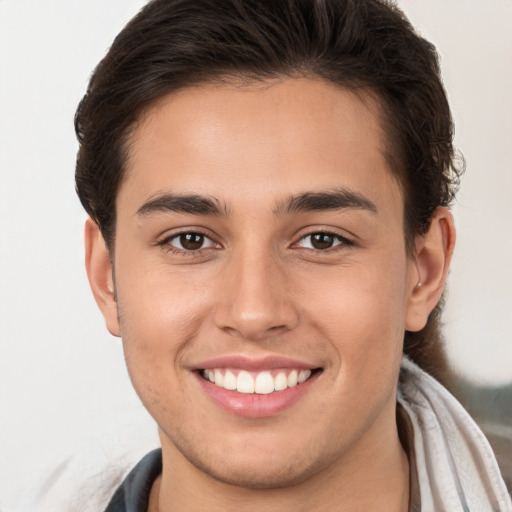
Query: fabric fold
x=455 y=464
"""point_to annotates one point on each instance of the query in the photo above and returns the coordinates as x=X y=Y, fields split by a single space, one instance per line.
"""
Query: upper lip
x=269 y=362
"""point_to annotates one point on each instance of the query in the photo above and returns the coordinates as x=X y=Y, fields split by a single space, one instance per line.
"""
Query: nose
x=256 y=300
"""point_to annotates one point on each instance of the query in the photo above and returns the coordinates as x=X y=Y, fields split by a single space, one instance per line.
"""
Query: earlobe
x=431 y=263
x=99 y=273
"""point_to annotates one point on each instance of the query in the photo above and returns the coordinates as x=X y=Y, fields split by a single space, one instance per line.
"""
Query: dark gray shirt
x=133 y=494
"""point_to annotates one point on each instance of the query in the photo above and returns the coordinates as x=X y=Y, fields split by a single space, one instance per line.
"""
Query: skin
x=258 y=287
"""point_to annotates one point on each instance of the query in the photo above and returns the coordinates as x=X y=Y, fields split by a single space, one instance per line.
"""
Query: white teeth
x=229 y=381
x=218 y=378
x=264 y=383
x=292 y=379
x=261 y=383
x=303 y=376
x=280 y=381
x=245 y=382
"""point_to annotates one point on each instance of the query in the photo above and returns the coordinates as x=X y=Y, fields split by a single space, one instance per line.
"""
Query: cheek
x=160 y=315
x=160 y=303
x=362 y=310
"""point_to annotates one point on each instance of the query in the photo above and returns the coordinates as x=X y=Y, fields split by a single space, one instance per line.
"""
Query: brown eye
x=191 y=241
x=322 y=241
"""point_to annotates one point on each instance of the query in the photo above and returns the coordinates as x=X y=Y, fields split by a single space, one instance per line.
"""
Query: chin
x=258 y=468
x=269 y=475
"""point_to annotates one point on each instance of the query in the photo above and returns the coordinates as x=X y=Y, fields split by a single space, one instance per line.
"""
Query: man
x=267 y=185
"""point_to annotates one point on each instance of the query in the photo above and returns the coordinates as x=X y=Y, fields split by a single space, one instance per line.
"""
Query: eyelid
x=164 y=241
x=343 y=240
x=205 y=239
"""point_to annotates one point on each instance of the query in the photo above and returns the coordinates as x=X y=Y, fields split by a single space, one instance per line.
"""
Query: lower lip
x=252 y=405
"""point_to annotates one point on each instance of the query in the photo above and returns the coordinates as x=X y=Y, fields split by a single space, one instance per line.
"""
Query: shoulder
x=133 y=494
x=85 y=482
x=454 y=462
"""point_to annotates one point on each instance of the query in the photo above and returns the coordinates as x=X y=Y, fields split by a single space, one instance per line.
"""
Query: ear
x=99 y=273
x=429 y=271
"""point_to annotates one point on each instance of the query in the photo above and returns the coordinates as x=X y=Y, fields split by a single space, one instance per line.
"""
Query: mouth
x=263 y=382
x=256 y=387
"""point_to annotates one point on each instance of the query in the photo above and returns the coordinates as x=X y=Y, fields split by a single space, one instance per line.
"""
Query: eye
x=191 y=241
x=322 y=241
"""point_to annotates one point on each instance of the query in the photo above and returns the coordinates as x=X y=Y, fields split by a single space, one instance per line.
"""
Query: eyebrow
x=338 y=199
x=193 y=203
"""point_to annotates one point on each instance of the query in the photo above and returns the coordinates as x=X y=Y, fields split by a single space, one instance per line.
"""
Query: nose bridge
x=256 y=300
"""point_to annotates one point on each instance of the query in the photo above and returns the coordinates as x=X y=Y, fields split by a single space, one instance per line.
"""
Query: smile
x=260 y=383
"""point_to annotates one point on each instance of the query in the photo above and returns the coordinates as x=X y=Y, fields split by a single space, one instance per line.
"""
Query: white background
x=63 y=384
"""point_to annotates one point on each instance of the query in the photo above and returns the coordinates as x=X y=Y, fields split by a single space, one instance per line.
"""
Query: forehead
x=290 y=135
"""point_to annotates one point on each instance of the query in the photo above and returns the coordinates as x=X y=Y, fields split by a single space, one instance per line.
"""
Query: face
x=262 y=281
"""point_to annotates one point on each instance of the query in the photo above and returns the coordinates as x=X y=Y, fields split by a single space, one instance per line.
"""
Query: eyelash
x=166 y=243
x=343 y=242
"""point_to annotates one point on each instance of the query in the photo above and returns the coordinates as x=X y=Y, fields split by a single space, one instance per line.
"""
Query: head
x=189 y=58
x=361 y=46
